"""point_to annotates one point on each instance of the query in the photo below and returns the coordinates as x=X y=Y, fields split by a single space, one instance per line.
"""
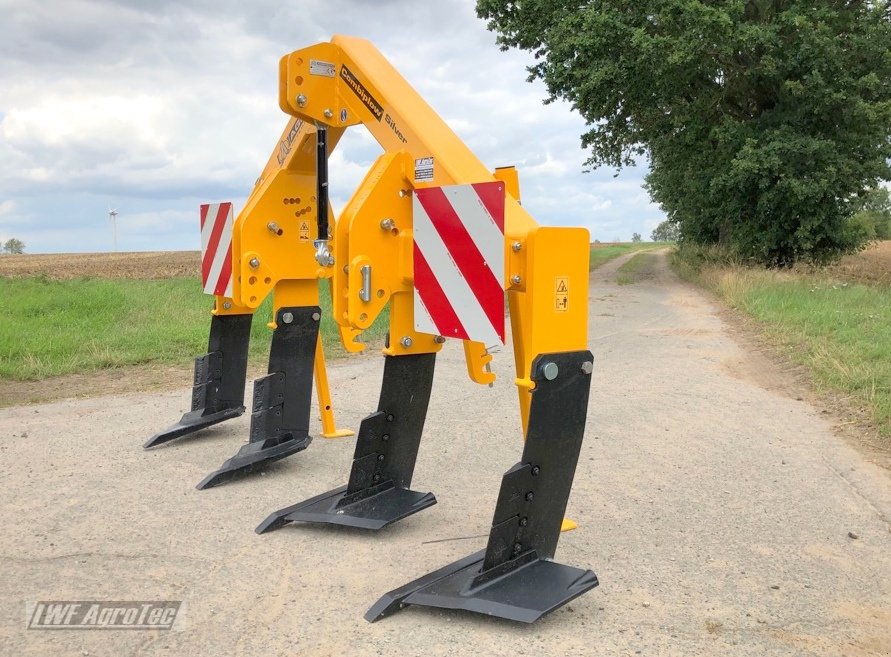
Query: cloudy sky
x=153 y=107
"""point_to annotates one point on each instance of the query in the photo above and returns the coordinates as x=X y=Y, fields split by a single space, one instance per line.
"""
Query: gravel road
x=719 y=511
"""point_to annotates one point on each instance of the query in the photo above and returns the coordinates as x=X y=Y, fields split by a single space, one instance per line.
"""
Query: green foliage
x=763 y=120
x=13 y=246
x=667 y=231
x=61 y=327
x=873 y=215
x=635 y=237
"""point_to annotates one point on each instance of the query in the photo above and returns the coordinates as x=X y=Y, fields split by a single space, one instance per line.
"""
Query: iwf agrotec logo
x=103 y=615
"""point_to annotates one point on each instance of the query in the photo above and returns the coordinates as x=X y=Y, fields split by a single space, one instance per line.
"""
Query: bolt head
x=550 y=371
x=254 y=263
x=328 y=113
x=406 y=342
x=587 y=367
x=439 y=339
x=515 y=279
x=516 y=246
x=227 y=305
x=301 y=100
x=387 y=224
x=287 y=318
x=316 y=316
x=530 y=496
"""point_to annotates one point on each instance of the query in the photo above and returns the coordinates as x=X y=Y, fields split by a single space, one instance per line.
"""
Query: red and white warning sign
x=459 y=261
x=216 y=248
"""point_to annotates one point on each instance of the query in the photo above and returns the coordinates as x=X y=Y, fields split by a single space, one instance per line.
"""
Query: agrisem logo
x=359 y=89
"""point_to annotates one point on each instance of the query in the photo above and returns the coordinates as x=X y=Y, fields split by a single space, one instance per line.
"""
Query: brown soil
x=120 y=380
x=139 y=265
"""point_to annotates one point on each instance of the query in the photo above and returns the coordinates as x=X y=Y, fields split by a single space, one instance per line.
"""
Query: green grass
x=600 y=255
x=632 y=270
x=61 y=327
x=840 y=331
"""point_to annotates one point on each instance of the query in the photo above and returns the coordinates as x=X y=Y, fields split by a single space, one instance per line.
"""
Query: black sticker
x=359 y=89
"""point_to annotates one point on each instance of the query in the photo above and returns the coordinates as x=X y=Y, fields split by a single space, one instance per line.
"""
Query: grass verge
x=602 y=254
x=52 y=327
x=841 y=331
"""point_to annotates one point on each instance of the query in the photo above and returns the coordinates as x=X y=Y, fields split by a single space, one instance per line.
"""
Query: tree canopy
x=763 y=121
x=13 y=246
x=667 y=231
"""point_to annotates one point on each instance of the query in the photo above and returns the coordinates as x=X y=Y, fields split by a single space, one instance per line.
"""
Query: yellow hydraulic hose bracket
x=348 y=337
x=477 y=357
x=326 y=408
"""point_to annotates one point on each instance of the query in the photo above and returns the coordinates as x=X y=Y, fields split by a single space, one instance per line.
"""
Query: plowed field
x=139 y=265
x=870 y=266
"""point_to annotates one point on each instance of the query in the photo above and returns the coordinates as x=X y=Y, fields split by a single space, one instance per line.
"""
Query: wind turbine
x=112 y=213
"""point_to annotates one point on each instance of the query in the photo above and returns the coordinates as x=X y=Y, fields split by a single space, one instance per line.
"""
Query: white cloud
x=157 y=106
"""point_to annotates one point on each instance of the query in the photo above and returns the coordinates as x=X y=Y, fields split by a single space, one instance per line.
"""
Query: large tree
x=763 y=120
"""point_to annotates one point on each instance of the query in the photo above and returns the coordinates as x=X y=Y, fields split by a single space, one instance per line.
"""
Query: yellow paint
x=547 y=314
x=478 y=358
x=272 y=248
x=226 y=306
x=568 y=525
x=284 y=197
x=367 y=89
x=546 y=268
x=511 y=180
x=326 y=408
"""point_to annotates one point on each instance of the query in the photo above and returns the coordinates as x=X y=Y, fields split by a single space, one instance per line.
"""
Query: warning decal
x=561 y=294
x=304 y=231
x=424 y=169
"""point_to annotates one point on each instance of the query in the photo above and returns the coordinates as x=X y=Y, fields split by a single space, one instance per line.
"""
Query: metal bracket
x=218 y=384
x=378 y=491
x=515 y=577
x=280 y=416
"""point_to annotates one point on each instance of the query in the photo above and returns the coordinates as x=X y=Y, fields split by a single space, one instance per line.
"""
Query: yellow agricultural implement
x=437 y=237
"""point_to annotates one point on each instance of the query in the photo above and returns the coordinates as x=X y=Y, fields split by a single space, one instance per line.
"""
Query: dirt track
x=714 y=503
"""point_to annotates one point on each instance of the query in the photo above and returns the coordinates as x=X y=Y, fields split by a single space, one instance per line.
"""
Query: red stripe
x=492 y=196
x=214 y=241
x=437 y=303
x=225 y=273
x=204 y=208
x=470 y=262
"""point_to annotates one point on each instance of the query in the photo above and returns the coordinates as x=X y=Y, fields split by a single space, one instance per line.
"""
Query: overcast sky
x=154 y=107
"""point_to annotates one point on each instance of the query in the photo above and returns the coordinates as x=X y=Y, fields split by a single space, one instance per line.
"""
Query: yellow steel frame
x=349 y=82
x=272 y=247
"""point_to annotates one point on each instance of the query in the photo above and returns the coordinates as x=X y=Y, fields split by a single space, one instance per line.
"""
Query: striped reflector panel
x=459 y=261
x=216 y=248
